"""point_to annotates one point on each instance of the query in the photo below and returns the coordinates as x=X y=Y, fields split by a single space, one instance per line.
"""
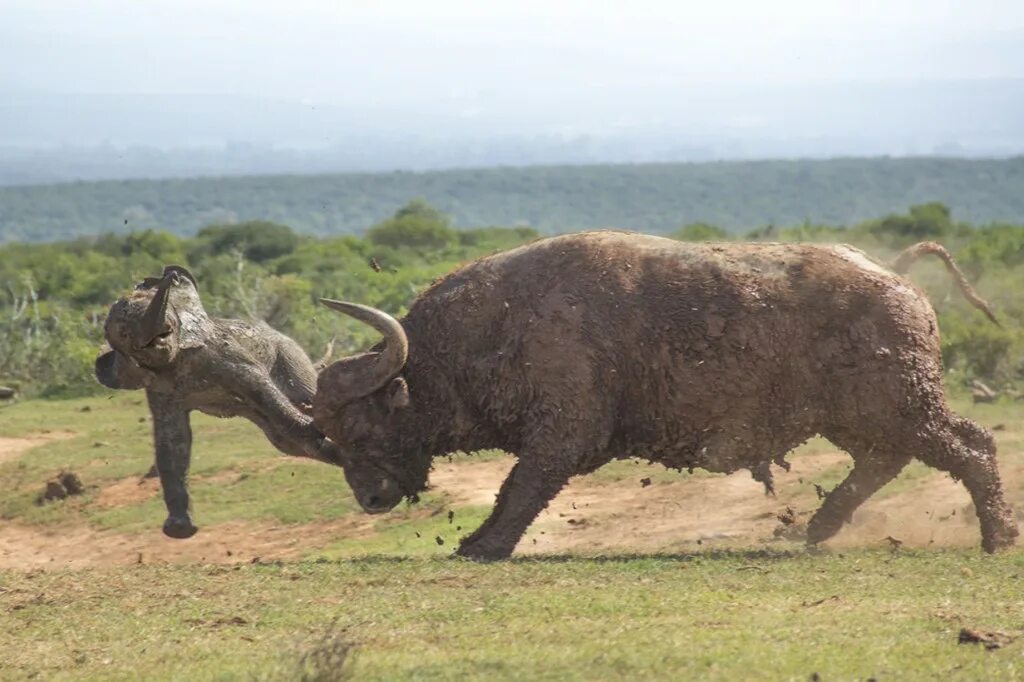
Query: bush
x=416 y=226
x=700 y=232
x=257 y=240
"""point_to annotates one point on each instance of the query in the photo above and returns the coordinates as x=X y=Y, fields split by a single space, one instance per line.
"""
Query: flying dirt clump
x=63 y=485
x=572 y=351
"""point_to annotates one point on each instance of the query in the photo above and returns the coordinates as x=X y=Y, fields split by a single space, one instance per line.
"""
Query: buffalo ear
x=398 y=394
x=113 y=370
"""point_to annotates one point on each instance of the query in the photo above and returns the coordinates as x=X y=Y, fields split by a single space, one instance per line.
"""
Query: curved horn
x=396 y=349
x=156 y=314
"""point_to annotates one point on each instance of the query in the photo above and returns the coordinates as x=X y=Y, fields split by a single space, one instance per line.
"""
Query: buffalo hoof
x=1003 y=538
x=179 y=528
x=479 y=552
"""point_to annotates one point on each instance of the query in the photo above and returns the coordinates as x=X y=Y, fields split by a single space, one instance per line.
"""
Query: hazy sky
x=467 y=52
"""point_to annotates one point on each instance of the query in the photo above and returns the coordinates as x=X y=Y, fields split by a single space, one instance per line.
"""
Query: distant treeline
x=54 y=296
x=658 y=198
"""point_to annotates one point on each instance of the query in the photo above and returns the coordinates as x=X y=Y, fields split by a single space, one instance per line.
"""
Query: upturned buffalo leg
x=968 y=452
x=524 y=494
x=868 y=476
x=173 y=439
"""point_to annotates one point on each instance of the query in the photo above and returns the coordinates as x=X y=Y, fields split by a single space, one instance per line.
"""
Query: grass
x=394 y=605
x=725 y=615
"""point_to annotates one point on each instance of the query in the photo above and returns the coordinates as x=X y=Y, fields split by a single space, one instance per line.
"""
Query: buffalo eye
x=162 y=335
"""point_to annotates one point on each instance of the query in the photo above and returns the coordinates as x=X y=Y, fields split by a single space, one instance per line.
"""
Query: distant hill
x=737 y=195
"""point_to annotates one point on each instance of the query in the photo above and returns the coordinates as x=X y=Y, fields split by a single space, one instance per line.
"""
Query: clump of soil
x=790 y=526
x=991 y=639
x=63 y=485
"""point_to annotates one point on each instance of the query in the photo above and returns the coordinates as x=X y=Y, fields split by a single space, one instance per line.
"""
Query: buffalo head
x=148 y=328
x=361 y=402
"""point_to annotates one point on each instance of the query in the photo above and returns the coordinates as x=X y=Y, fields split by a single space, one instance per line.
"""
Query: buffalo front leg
x=172 y=436
x=524 y=494
x=868 y=476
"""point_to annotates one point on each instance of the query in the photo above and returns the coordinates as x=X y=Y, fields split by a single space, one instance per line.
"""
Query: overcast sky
x=656 y=80
x=388 y=52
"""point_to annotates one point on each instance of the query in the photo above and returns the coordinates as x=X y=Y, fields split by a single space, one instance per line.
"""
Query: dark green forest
x=54 y=296
x=657 y=198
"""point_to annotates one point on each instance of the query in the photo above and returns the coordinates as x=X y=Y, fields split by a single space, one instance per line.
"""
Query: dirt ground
x=13 y=448
x=590 y=516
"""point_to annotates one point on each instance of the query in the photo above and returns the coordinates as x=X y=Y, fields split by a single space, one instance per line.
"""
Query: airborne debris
x=439 y=540
x=894 y=543
x=451 y=516
x=644 y=482
x=787 y=517
x=375 y=265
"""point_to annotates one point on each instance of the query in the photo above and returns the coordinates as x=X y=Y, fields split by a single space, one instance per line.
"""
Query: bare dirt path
x=723 y=511
x=13 y=448
x=27 y=547
x=590 y=516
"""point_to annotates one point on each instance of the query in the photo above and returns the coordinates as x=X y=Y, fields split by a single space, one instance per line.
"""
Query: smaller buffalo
x=575 y=350
x=162 y=340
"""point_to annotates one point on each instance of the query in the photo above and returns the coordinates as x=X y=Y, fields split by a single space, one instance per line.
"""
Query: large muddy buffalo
x=576 y=350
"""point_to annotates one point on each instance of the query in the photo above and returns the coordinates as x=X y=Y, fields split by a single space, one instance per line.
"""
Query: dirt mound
x=63 y=485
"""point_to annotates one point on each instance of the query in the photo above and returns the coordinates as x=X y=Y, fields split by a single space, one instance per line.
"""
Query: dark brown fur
x=576 y=350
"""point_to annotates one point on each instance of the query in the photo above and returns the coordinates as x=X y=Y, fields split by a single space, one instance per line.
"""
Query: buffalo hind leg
x=968 y=452
x=524 y=494
x=871 y=471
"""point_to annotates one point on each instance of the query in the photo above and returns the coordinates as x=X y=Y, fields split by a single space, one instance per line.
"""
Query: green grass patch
x=715 y=615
